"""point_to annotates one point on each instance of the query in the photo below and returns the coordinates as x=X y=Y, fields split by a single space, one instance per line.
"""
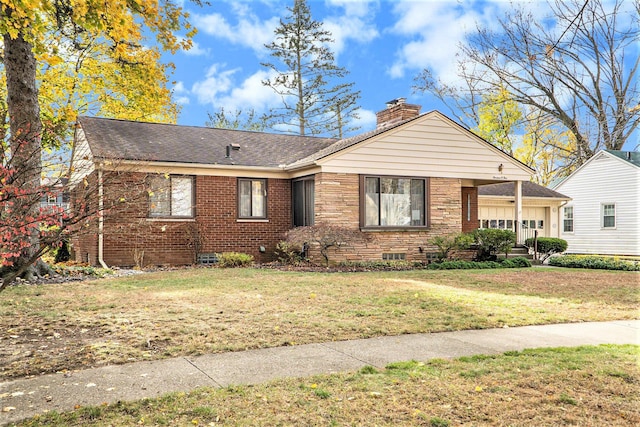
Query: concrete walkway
x=25 y=398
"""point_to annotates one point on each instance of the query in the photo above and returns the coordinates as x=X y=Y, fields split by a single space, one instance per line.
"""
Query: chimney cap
x=396 y=101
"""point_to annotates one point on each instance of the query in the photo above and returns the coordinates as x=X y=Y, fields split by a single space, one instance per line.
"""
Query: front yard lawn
x=49 y=328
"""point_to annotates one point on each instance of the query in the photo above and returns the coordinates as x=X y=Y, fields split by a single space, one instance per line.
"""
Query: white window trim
x=615 y=216
x=573 y=219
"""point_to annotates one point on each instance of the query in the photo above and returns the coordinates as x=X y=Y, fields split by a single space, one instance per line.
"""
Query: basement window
x=207 y=259
x=394 y=256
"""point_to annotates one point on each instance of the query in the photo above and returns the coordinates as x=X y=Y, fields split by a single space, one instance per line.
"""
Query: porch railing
x=525 y=233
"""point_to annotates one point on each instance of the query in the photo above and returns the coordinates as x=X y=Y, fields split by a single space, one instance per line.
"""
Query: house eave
x=119 y=164
x=507 y=198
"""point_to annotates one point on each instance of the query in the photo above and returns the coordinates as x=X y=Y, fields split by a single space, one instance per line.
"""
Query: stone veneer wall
x=338 y=201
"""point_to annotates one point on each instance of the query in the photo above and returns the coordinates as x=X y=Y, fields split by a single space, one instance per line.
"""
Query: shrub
x=469 y=265
x=547 y=245
x=491 y=241
x=234 y=259
x=517 y=262
x=325 y=237
x=288 y=253
x=446 y=244
x=62 y=253
x=381 y=265
x=594 y=262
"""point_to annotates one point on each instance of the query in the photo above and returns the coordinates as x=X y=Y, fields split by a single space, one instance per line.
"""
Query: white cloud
x=367 y=120
x=215 y=83
x=437 y=28
x=249 y=31
x=181 y=94
x=220 y=89
x=353 y=23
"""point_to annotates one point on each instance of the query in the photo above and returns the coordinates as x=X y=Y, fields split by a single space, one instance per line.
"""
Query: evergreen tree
x=314 y=99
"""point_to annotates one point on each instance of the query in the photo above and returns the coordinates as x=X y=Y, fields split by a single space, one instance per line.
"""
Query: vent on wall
x=394 y=257
x=207 y=259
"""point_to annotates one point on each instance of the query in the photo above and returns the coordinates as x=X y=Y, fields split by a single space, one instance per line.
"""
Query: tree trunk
x=25 y=135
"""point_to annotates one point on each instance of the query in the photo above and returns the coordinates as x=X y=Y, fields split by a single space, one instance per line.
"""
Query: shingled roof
x=529 y=189
x=129 y=140
x=632 y=157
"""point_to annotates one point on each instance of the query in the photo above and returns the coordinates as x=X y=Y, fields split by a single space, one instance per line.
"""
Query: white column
x=517 y=211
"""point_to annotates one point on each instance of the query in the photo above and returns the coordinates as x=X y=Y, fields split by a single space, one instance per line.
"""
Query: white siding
x=430 y=146
x=82 y=160
x=603 y=179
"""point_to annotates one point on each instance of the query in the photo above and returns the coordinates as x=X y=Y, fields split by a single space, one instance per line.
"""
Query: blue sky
x=384 y=45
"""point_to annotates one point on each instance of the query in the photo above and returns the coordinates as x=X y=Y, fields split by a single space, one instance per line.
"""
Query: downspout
x=101 y=221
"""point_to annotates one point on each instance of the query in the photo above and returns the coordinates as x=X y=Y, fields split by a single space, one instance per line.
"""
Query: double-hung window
x=608 y=215
x=567 y=224
x=171 y=196
x=252 y=198
x=394 y=201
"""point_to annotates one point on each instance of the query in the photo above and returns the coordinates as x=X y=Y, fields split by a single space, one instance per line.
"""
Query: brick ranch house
x=179 y=194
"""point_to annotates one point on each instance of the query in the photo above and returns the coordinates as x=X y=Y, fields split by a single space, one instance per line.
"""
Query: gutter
x=101 y=221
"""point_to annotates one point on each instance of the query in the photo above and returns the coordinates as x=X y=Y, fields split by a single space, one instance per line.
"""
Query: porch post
x=517 y=211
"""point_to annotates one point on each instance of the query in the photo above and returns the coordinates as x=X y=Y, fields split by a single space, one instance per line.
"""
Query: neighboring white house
x=540 y=207
x=603 y=216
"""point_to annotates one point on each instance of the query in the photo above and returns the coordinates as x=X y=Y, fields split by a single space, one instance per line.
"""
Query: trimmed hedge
x=594 y=262
x=548 y=245
x=517 y=262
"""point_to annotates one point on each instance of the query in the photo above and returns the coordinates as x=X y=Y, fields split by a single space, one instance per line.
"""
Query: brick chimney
x=397 y=110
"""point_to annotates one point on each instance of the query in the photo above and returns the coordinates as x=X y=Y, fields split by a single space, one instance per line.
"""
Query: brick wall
x=131 y=238
x=219 y=227
x=337 y=202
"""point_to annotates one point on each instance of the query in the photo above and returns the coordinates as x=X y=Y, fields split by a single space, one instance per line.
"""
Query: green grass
x=564 y=386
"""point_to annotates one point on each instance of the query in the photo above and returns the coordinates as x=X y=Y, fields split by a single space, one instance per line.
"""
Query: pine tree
x=314 y=98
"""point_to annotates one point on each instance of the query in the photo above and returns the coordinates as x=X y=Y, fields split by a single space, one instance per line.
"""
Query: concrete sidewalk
x=25 y=398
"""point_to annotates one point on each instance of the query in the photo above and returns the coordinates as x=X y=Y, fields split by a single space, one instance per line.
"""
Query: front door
x=469 y=209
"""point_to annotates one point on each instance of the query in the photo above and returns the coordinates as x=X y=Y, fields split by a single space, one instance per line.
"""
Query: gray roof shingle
x=529 y=189
x=129 y=140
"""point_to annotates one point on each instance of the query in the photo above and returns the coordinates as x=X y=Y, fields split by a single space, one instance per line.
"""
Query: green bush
x=445 y=244
x=492 y=241
x=547 y=245
x=518 y=262
x=594 y=262
x=288 y=253
x=380 y=265
x=234 y=259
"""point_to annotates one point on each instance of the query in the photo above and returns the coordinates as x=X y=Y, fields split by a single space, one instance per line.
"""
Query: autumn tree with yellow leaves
x=61 y=57
x=526 y=135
